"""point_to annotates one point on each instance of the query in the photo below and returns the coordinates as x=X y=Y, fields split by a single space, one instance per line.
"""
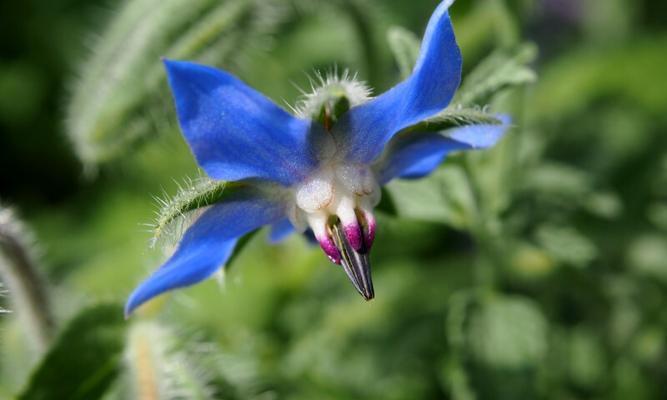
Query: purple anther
x=369 y=230
x=354 y=236
x=329 y=247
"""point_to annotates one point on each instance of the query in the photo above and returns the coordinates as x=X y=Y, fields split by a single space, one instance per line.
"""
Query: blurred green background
x=537 y=269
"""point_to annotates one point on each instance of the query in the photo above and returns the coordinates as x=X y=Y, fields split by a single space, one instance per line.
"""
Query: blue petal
x=365 y=129
x=416 y=155
x=480 y=136
x=234 y=131
x=280 y=231
x=208 y=244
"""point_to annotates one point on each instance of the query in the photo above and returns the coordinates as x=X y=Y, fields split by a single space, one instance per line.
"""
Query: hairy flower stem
x=158 y=370
x=144 y=368
x=27 y=291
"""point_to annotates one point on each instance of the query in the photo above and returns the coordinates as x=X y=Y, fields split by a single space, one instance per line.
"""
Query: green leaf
x=499 y=71
x=567 y=245
x=647 y=255
x=486 y=24
x=445 y=197
x=657 y=214
x=122 y=97
x=405 y=47
x=558 y=181
x=84 y=360
x=585 y=357
x=456 y=380
x=508 y=332
x=453 y=118
x=582 y=76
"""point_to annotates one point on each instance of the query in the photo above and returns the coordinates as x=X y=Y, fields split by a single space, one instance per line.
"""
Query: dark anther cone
x=357 y=266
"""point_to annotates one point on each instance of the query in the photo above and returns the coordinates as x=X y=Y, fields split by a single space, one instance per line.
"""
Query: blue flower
x=297 y=173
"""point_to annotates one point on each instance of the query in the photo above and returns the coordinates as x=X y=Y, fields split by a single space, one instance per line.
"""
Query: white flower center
x=334 y=190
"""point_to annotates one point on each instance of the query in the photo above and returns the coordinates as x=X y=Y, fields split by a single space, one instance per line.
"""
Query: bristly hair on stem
x=3 y=293
x=19 y=269
x=158 y=370
x=165 y=363
x=121 y=83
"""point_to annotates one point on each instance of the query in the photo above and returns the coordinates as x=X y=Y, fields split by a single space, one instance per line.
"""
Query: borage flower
x=321 y=170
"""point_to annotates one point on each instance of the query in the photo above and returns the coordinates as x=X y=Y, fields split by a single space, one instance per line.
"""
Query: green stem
x=489 y=254
x=27 y=291
x=361 y=20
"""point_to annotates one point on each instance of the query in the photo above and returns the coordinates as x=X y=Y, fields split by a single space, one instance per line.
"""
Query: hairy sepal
x=178 y=212
x=331 y=96
x=455 y=117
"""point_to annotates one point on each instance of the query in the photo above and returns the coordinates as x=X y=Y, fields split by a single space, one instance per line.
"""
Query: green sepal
x=453 y=118
x=332 y=109
x=196 y=194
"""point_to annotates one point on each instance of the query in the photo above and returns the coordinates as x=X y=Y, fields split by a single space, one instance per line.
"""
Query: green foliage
x=535 y=269
x=120 y=97
x=84 y=360
x=508 y=333
x=585 y=355
x=567 y=245
x=446 y=197
x=626 y=71
x=647 y=255
x=405 y=48
x=500 y=70
x=157 y=370
x=19 y=268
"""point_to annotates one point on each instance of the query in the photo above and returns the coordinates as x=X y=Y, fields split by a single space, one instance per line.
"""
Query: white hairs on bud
x=324 y=87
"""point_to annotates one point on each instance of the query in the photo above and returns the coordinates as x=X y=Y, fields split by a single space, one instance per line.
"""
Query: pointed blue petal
x=480 y=136
x=365 y=129
x=208 y=244
x=280 y=231
x=418 y=154
x=415 y=156
x=234 y=131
